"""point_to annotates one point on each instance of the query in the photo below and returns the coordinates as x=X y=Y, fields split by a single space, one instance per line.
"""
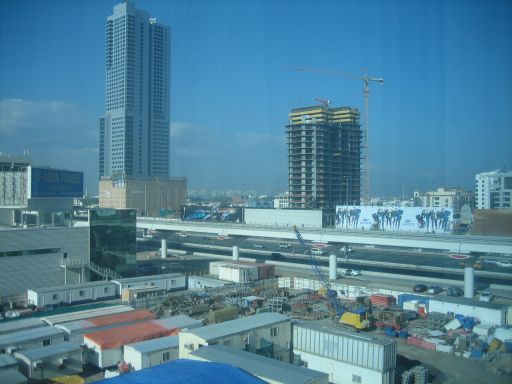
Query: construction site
x=422 y=324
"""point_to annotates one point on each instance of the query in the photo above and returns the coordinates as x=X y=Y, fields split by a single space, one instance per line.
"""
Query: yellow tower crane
x=366 y=91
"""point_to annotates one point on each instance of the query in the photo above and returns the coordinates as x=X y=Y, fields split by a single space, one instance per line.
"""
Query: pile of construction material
x=416 y=375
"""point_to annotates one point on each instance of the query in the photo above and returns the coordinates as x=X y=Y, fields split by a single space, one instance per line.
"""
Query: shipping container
x=238 y=273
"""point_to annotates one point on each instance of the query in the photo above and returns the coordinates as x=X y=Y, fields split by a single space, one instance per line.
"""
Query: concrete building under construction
x=324 y=157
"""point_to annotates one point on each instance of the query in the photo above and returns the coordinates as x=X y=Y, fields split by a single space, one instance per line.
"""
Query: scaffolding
x=324 y=157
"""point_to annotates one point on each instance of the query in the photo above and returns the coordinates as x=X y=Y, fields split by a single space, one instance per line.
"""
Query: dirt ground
x=448 y=369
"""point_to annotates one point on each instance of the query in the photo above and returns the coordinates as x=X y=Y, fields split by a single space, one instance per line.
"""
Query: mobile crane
x=356 y=317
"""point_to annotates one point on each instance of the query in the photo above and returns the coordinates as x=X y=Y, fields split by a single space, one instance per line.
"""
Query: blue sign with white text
x=46 y=182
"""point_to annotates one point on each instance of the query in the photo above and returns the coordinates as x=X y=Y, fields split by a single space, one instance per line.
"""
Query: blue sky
x=443 y=114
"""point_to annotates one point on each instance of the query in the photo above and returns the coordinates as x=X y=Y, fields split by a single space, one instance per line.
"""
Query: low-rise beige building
x=268 y=334
x=149 y=196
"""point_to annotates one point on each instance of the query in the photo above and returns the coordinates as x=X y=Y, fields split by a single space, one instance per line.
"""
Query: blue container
x=403 y=334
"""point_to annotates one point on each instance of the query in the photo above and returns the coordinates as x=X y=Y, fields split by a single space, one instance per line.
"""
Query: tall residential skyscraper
x=324 y=157
x=134 y=133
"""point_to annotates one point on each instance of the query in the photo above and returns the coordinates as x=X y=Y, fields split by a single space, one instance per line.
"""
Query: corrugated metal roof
x=49 y=351
x=28 y=334
x=7 y=360
x=260 y=366
x=140 y=314
x=117 y=337
x=369 y=338
x=60 y=288
x=156 y=345
x=240 y=325
x=12 y=376
x=103 y=321
x=148 y=278
x=86 y=314
x=18 y=325
x=179 y=321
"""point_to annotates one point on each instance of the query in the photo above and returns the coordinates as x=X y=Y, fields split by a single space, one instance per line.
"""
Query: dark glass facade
x=113 y=239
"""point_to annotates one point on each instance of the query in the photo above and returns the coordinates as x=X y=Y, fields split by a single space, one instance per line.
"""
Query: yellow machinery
x=356 y=320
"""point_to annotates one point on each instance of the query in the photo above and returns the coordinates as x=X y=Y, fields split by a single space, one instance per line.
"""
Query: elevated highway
x=438 y=241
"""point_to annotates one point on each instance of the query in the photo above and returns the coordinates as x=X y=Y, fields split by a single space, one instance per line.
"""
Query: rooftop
x=90 y=284
x=7 y=360
x=85 y=314
x=260 y=366
x=331 y=328
x=117 y=337
x=155 y=345
x=49 y=351
x=17 y=325
x=148 y=278
x=16 y=338
x=239 y=325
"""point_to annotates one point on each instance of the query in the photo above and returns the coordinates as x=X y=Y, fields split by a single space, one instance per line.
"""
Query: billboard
x=212 y=213
x=405 y=219
x=47 y=182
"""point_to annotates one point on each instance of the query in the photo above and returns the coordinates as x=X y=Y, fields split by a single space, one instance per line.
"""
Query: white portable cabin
x=52 y=361
x=238 y=273
x=169 y=282
x=252 y=332
x=30 y=338
x=71 y=294
x=346 y=356
x=105 y=348
x=152 y=352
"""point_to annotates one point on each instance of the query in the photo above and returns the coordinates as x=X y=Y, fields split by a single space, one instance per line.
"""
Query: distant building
x=494 y=190
x=148 y=196
x=282 y=200
x=35 y=195
x=453 y=198
x=324 y=157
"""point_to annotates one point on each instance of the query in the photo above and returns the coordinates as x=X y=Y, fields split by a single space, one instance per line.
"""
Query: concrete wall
x=488 y=316
x=302 y=218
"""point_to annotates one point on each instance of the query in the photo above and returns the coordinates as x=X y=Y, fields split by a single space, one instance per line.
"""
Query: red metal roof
x=125 y=317
x=116 y=337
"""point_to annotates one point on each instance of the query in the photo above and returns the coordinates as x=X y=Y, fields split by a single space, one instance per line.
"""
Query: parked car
x=276 y=256
x=434 y=290
x=420 y=288
x=257 y=246
x=504 y=264
x=317 y=251
x=345 y=249
x=182 y=235
x=486 y=295
x=454 y=291
x=284 y=245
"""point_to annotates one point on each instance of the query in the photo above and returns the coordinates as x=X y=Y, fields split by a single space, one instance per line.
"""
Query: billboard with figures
x=212 y=213
x=398 y=218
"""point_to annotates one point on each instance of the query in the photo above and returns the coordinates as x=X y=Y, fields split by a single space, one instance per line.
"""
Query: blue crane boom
x=315 y=265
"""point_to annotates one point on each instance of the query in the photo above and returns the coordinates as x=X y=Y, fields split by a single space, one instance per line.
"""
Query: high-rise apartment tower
x=134 y=133
x=324 y=157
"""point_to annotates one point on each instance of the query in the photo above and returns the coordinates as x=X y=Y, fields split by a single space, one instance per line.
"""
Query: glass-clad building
x=113 y=239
